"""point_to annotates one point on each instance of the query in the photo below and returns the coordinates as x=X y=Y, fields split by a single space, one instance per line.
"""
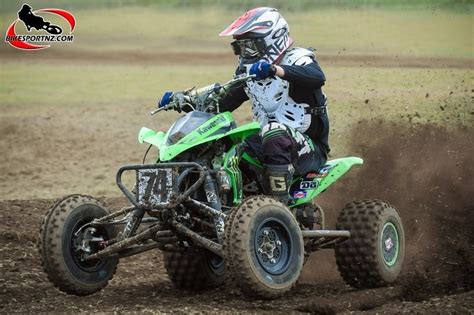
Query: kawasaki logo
x=211 y=125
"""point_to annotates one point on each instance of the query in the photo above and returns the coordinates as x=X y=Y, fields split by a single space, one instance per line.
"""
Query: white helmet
x=259 y=33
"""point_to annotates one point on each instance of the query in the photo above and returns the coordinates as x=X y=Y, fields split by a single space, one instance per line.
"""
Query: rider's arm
x=233 y=99
x=304 y=73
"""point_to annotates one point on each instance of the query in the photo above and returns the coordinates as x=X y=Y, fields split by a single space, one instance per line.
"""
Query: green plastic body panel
x=336 y=168
x=151 y=136
x=231 y=166
x=208 y=131
x=241 y=133
x=251 y=160
x=205 y=133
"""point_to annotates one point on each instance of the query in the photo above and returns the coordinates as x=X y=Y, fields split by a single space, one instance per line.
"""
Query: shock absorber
x=132 y=223
x=212 y=197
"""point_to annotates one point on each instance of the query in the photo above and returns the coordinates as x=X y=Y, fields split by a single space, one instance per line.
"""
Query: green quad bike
x=212 y=220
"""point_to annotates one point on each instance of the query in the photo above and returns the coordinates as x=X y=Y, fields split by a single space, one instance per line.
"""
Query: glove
x=262 y=70
x=165 y=99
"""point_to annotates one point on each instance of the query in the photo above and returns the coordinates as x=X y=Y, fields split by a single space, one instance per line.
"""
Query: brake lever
x=156 y=111
x=167 y=107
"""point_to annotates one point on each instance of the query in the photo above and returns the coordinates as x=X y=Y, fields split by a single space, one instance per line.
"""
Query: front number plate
x=155 y=186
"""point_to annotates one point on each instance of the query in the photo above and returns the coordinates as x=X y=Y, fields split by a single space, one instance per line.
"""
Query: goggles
x=248 y=48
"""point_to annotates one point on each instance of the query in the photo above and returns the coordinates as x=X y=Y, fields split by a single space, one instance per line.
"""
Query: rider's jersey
x=270 y=97
x=288 y=99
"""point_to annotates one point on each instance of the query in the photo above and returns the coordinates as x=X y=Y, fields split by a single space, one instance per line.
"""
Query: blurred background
x=70 y=114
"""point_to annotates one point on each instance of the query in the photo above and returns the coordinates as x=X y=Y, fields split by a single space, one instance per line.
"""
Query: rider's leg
x=284 y=151
x=279 y=152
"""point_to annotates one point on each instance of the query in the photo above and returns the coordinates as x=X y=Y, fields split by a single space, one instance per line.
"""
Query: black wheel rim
x=390 y=244
x=77 y=254
x=273 y=246
x=214 y=261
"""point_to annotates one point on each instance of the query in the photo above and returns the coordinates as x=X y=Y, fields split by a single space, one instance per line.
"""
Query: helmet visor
x=247 y=48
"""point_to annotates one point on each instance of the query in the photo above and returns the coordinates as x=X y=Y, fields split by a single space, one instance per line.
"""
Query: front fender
x=156 y=138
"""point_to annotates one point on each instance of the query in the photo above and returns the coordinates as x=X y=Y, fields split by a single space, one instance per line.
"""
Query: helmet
x=259 y=33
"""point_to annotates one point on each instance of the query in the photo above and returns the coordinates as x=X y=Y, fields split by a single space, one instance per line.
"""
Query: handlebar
x=238 y=79
x=156 y=111
x=181 y=99
x=179 y=103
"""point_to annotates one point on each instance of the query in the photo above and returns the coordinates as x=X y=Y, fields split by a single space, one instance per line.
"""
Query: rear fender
x=325 y=177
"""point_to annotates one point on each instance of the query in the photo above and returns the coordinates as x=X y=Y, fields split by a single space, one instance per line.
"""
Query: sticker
x=299 y=194
x=311 y=175
x=323 y=171
x=278 y=183
x=308 y=184
x=388 y=244
x=155 y=186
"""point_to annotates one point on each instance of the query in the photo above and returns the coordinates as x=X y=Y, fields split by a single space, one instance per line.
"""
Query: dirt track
x=141 y=284
x=427 y=176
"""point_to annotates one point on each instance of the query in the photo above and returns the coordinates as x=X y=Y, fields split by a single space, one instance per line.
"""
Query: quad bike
x=212 y=220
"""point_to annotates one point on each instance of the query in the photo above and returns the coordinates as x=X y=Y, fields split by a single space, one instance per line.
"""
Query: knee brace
x=277 y=144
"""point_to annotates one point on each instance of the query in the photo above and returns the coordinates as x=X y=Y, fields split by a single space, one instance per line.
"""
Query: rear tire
x=58 y=246
x=264 y=248
x=374 y=254
x=194 y=270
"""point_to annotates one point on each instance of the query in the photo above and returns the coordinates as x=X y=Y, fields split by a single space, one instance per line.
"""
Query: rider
x=286 y=97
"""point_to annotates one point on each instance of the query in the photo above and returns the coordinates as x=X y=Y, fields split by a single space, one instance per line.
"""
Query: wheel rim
x=273 y=246
x=215 y=262
x=77 y=253
x=390 y=244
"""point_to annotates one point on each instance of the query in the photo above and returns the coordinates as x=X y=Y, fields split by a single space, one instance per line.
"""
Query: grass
x=294 y=5
x=68 y=85
x=347 y=31
x=355 y=93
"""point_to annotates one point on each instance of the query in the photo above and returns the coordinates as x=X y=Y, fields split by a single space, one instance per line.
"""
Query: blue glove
x=165 y=99
x=262 y=70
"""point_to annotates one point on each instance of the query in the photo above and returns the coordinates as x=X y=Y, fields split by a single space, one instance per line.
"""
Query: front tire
x=264 y=248
x=61 y=246
x=374 y=255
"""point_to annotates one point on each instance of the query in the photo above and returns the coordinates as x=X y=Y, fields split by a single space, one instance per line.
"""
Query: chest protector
x=270 y=98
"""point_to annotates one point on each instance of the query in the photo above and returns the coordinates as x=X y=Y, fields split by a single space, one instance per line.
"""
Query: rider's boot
x=277 y=180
